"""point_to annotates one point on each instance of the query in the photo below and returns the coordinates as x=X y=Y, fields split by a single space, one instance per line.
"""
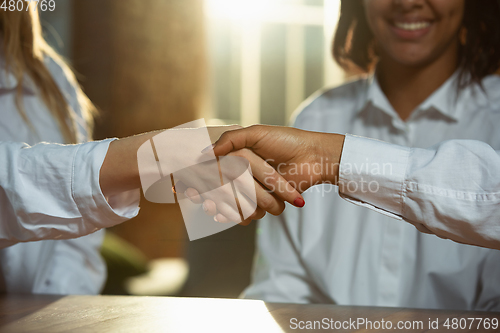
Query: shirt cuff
x=372 y=174
x=86 y=189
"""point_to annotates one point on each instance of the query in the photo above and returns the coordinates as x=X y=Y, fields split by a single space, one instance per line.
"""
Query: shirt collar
x=447 y=99
x=376 y=97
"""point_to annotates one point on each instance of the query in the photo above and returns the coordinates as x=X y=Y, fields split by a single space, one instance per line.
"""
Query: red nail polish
x=299 y=202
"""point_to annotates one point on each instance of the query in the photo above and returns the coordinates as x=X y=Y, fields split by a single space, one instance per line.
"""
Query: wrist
x=332 y=146
x=120 y=171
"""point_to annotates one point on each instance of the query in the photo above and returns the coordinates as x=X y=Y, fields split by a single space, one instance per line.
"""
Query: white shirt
x=451 y=190
x=333 y=252
x=51 y=191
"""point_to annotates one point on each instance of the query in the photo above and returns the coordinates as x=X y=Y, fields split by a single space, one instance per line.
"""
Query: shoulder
x=491 y=86
x=483 y=98
x=61 y=73
x=341 y=101
x=66 y=81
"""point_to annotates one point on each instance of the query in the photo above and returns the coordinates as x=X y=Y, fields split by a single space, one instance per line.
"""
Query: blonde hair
x=25 y=52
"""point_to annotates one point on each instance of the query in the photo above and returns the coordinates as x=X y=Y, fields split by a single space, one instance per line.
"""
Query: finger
x=278 y=185
x=271 y=179
x=264 y=200
x=268 y=202
x=193 y=195
x=238 y=139
x=229 y=210
x=221 y=219
x=215 y=132
x=222 y=200
x=249 y=209
x=251 y=193
x=209 y=208
x=247 y=204
x=257 y=215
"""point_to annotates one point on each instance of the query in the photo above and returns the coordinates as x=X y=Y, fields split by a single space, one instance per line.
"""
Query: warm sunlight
x=240 y=9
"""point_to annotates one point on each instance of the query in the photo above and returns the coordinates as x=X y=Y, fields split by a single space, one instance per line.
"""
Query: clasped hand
x=284 y=161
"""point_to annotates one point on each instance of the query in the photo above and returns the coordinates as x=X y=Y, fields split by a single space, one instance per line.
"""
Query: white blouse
x=451 y=190
x=331 y=251
x=50 y=191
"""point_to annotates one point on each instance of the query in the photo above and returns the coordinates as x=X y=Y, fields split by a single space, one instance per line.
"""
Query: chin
x=412 y=59
x=413 y=62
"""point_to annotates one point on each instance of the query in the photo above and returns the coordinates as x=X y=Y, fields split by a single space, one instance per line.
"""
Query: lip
x=406 y=34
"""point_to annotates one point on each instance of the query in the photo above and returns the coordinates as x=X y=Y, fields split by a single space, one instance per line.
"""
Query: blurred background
x=155 y=64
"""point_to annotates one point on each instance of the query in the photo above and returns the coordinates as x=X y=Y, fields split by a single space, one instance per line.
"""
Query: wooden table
x=163 y=314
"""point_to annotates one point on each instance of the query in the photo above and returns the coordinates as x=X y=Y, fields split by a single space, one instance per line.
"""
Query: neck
x=406 y=87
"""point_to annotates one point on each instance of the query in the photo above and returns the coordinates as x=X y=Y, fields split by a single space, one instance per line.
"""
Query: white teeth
x=412 y=26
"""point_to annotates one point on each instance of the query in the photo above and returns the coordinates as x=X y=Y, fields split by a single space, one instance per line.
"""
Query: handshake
x=245 y=174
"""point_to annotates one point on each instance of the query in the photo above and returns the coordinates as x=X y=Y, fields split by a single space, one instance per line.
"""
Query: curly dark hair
x=479 y=53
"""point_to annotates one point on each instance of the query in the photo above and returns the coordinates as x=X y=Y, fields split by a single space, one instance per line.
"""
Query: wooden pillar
x=143 y=64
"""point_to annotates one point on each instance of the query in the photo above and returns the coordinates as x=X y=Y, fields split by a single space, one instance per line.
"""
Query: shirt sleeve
x=52 y=191
x=451 y=190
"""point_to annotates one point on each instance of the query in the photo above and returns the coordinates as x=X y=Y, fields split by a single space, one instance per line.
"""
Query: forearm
x=120 y=171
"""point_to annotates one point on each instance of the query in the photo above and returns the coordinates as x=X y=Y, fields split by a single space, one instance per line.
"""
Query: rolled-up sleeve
x=451 y=190
x=52 y=191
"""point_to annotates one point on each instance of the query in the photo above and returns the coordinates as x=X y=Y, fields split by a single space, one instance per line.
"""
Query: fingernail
x=215 y=219
x=186 y=194
x=209 y=148
x=299 y=202
x=205 y=208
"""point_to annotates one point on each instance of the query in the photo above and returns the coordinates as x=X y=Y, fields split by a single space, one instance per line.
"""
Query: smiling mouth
x=412 y=26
